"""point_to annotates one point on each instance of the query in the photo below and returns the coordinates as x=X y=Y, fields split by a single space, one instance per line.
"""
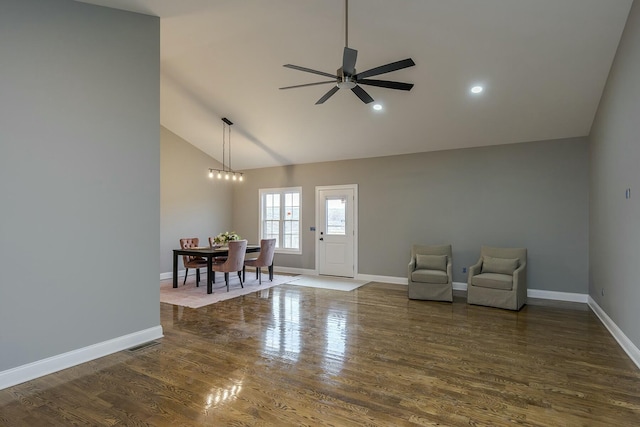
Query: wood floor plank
x=315 y=357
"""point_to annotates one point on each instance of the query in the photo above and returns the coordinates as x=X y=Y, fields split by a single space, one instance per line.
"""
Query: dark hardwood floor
x=306 y=356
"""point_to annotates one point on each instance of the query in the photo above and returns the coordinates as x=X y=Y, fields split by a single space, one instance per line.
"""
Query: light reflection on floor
x=219 y=396
x=336 y=336
x=282 y=337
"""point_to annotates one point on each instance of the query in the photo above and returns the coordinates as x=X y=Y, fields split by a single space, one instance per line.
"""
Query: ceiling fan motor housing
x=345 y=81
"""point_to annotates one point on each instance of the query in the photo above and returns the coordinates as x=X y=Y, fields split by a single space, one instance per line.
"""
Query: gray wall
x=614 y=246
x=532 y=195
x=192 y=205
x=79 y=177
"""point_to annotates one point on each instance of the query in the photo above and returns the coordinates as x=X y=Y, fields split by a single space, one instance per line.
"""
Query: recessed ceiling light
x=477 y=89
x=377 y=107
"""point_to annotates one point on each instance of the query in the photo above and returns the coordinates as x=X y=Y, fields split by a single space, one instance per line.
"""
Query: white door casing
x=336 y=230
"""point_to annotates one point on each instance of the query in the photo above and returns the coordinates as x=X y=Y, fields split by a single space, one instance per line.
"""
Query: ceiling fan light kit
x=346 y=76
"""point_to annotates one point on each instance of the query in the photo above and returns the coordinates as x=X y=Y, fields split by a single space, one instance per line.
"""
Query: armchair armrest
x=411 y=267
x=520 y=276
x=473 y=270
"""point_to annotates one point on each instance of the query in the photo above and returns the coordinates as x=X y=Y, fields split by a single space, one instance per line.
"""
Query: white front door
x=336 y=230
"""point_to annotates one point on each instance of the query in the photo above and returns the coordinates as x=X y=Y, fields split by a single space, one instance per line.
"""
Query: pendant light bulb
x=210 y=173
x=226 y=176
x=219 y=175
x=234 y=176
x=241 y=178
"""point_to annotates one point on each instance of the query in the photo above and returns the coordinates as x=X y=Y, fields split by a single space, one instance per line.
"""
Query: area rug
x=327 y=282
x=195 y=297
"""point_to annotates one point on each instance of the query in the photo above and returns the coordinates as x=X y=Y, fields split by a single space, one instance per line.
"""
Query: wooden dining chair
x=234 y=261
x=192 y=261
x=265 y=259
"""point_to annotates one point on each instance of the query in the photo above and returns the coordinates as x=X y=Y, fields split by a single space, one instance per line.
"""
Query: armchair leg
x=244 y=277
x=186 y=271
x=197 y=277
x=226 y=280
x=271 y=272
x=240 y=277
x=259 y=270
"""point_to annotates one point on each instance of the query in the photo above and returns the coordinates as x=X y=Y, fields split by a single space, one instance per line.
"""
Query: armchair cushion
x=499 y=265
x=431 y=262
x=493 y=280
x=430 y=276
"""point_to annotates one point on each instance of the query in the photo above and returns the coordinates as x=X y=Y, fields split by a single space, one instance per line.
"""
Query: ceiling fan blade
x=349 y=61
x=362 y=94
x=327 y=95
x=387 y=84
x=308 y=84
x=309 y=70
x=399 y=65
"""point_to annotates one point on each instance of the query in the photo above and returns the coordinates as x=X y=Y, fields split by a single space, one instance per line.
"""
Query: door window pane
x=336 y=216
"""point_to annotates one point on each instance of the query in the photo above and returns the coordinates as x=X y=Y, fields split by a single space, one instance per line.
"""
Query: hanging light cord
x=223 y=147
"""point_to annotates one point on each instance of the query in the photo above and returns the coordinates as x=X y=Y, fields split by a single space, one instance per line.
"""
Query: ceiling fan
x=346 y=76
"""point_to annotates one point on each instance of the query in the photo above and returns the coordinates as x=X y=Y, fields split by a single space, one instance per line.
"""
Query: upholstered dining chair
x=212 y=243
x=192 y=261
x=218 y=259
x=265 y=259
x=430 y=273
x=499 y=278
x=234 y=262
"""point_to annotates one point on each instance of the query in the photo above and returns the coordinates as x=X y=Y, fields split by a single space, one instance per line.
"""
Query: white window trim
x=261 y=193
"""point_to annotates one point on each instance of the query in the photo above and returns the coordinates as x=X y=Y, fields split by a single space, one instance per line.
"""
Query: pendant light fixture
x=226 y=172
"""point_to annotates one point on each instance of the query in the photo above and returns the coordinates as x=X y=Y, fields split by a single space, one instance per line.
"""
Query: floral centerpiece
x=224 y=238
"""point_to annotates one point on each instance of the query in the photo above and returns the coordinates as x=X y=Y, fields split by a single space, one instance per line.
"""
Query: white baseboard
x=294 y=270
x=383 y=279
x=629 y=347
x=62 y=361
x=169 y=275
x=557 y=296
x=459 y=286
x=192 y=272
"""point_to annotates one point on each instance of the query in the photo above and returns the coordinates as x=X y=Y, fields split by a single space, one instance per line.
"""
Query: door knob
x=322 y=238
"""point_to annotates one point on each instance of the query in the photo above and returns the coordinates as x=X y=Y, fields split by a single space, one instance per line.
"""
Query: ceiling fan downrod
x=346 y=23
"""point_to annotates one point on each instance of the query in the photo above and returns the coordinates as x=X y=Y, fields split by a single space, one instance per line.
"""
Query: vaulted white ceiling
x=543 y=64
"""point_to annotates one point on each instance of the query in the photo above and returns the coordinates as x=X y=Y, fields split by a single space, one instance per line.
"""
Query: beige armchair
x=499 y=278
x=430 y=273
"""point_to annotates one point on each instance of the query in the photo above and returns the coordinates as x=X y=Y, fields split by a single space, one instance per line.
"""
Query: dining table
x=208 y=252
